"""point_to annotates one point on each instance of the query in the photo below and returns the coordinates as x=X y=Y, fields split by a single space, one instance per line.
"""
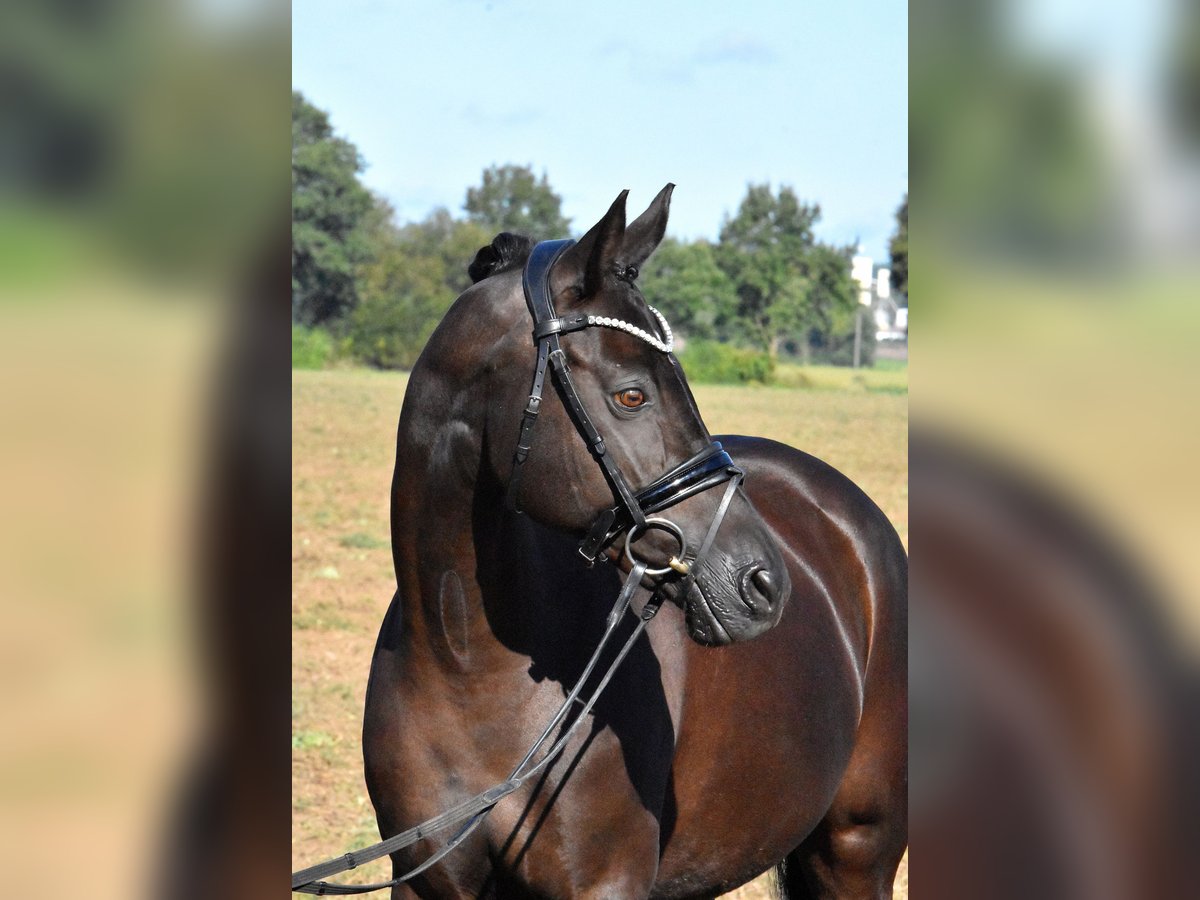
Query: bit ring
x=676 y=563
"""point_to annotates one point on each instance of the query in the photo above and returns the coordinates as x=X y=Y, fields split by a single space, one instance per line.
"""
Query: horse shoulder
x=769 y=725
x=834 y=533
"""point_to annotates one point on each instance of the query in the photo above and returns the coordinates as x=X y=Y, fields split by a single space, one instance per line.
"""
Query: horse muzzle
x=729 y=603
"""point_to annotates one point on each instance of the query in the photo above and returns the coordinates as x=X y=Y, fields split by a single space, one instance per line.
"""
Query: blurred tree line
x=377 y=289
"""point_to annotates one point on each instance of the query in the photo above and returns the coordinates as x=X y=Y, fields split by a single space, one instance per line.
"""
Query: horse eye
x=631 y=398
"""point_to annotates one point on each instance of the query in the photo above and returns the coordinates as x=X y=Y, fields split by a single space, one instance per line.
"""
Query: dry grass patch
x=862 y=434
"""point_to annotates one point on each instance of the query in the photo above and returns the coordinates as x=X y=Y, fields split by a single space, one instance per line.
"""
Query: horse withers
x=760 y=720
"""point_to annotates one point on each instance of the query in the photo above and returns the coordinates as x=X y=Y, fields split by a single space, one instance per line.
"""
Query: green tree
x=1009 y=162
x=898 y=248
x=452 y=242
x=684 y=282
x=404 y=298
x=1183 y=74
x=414 y=274
x=831 y=309
x=328 y=206
x=511 y=198
x=763 y=249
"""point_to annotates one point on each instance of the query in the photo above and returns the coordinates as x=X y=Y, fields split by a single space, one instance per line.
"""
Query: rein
x=473 y=810
x=632 y=513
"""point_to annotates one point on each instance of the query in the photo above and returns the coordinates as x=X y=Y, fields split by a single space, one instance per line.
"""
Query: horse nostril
x=759 y=589
x=762 y=581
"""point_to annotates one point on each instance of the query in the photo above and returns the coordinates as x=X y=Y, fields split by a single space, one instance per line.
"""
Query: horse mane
x=506 y=252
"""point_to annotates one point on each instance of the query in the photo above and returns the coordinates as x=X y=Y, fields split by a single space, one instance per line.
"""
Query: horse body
x=819 y=702
x=702 y=766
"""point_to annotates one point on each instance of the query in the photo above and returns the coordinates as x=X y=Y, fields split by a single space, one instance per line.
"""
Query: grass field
x=343 y=433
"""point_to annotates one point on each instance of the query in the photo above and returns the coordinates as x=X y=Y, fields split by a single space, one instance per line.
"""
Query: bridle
x=632 y=513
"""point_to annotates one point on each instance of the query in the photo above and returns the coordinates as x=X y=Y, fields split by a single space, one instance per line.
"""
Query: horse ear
x=584 y=265
x=646 y=231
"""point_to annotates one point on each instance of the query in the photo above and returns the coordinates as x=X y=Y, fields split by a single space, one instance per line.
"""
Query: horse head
x=633 y=391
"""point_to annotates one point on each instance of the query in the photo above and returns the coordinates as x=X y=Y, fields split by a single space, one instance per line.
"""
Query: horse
x=759 y=721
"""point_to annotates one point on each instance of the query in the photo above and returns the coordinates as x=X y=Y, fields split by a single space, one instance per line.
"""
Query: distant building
x=891 y=318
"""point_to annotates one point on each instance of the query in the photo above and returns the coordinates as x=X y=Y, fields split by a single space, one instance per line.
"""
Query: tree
x=512 y=199
x=763 y=250
x=832 y=307
x=898 y=248
x=685 y=284
x=1010 y=162
x=329 y=205
x=790 y=289
x=403 y=299
x=415 y=273
x=1183 y=72
x=452 y=242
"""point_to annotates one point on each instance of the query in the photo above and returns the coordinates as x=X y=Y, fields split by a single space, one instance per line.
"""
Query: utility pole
x=862 y=271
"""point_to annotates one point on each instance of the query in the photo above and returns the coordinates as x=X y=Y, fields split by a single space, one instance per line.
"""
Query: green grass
x=321 y=617
x=890 y=379
x=312 y=348
x=361 y=541
x=311 y=740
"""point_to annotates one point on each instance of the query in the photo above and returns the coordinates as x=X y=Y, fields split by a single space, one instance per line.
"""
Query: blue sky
x=606 y=96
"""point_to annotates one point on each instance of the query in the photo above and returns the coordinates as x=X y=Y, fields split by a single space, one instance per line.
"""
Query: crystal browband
x=629 y=328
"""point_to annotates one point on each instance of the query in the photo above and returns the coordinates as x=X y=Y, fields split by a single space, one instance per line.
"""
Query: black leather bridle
x=632 y=513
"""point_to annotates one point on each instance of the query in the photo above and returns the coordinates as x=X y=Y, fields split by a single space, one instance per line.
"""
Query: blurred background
x=144 y=203
x=1055 y=239
x=1057 y=153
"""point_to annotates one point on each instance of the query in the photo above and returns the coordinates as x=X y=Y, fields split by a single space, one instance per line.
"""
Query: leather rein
x=632 y=513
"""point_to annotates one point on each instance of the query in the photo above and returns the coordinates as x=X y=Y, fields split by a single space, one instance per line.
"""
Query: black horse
x=710 y=757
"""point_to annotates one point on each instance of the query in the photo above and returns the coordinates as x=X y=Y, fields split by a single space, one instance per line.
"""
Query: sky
x=712 y=96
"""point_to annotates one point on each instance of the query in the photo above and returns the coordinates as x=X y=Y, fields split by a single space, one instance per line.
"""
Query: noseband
x=632 y=513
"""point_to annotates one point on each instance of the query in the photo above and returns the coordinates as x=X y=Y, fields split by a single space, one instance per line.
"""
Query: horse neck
x=446 y=516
